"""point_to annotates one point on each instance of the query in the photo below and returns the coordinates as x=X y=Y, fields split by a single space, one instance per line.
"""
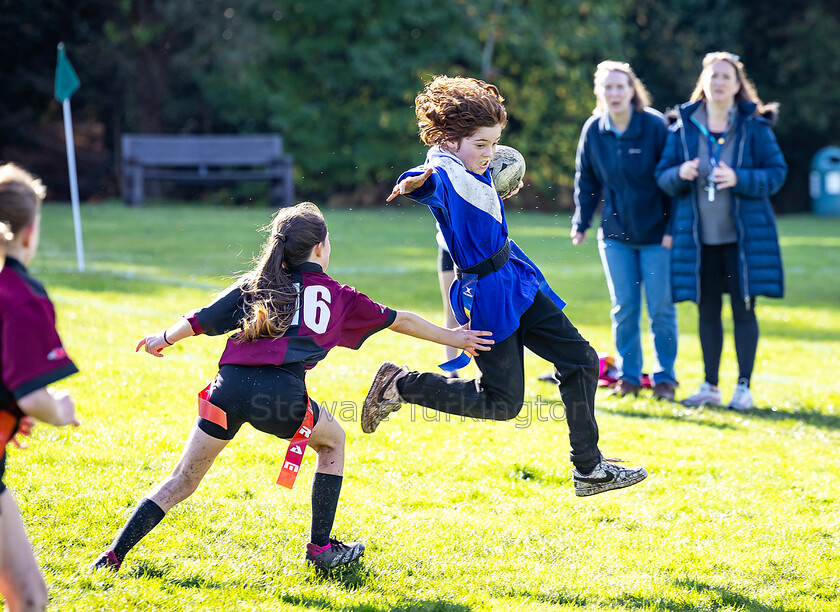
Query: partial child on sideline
x=32 y=357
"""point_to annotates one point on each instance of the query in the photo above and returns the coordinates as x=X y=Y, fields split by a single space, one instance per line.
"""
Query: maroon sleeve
x=364 y=318
x=32 y=354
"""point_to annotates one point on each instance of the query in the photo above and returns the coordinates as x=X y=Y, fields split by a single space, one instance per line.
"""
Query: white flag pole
x=74 y=184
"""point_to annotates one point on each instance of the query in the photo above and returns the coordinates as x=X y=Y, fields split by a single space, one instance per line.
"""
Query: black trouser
x=499 y=393
x=719 y=275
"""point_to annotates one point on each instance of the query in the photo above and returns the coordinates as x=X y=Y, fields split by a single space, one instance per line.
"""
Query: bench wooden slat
x=203 y=159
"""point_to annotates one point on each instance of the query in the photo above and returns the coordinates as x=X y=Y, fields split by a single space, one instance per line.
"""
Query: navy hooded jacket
x=620 y=171
x=761 y=170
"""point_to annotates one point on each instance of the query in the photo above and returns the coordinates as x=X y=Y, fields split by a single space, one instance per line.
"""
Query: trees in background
x=338 y=79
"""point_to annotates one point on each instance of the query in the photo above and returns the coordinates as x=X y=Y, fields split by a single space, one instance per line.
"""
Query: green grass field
x=740 y=512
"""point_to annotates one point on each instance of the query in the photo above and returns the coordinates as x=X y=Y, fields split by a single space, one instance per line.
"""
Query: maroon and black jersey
x=327 y=314
x=31 y=353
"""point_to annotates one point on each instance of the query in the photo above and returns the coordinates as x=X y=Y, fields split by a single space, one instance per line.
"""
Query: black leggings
x=719 y=275
x=499 y=393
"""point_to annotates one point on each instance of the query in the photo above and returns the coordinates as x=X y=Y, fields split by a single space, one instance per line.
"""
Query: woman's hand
x=688 y=170
x=667 y=241
x=153 y=344
x=409 y=184
x=578 y=237
x=724 y=176
x=472 y=341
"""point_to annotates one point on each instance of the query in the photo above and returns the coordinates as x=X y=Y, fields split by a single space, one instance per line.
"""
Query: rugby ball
x=506 y=168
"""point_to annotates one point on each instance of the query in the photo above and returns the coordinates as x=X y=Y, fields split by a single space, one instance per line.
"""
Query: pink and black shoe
x=332 y=555
x=108 y=560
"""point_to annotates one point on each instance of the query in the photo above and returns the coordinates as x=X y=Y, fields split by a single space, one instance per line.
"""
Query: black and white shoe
x=383 y=397
x=606 y=476
x=333 y=554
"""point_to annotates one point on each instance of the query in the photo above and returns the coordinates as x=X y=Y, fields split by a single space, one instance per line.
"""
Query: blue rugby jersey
x=328 y=314
x=471 y=218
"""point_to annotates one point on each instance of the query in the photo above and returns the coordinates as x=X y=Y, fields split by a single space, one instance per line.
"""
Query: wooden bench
x=206 y=160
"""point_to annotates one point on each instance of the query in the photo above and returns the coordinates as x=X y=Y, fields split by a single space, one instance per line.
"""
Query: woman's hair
x=21 y=195
x=746 y=93
x=641 y=96
x=269 y=295
x=450 y=109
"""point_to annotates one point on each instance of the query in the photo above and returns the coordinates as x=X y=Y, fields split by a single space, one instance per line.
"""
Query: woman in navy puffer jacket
x=720 y=165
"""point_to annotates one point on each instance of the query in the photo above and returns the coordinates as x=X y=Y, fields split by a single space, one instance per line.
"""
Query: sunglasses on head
x=724 y=55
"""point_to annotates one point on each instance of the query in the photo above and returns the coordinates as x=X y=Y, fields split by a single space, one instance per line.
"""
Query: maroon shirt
x=328 y=314
x=31 y=353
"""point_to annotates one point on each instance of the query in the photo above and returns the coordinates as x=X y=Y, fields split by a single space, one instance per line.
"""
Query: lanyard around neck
x=715 y=144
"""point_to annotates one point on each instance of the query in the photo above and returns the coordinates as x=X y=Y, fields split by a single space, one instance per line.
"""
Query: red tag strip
x=8 y=421
x=294 y=456
x=209 y=411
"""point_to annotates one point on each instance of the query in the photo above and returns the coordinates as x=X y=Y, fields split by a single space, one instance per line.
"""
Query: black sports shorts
x=445 y=263
x=270 y=398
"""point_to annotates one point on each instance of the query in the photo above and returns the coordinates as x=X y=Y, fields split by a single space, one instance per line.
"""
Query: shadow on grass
x=810 y=417
x=405 y=605
x=806 y=417
x=692 y=419
x=721 y=598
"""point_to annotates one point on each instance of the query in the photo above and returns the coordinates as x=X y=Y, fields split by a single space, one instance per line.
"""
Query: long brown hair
x=269 y=294
x=641 y=96
x=746 y=93
x=450 y=109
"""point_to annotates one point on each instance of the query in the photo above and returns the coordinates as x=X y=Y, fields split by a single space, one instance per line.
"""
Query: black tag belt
x=489 y=265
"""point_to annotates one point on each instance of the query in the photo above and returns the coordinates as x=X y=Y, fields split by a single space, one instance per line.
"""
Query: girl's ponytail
x=270 y=295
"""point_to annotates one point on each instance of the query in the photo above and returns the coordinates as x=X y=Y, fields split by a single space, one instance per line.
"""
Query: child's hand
x=65 y=409
x=515 y=191
x=154 y=344
x=409 y=184
x=473 y=341
x=25 y=427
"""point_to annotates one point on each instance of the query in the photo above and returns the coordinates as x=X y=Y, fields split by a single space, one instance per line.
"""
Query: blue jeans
x=628 y=267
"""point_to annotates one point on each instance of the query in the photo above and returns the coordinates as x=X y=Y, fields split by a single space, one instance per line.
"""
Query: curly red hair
x=450 y=109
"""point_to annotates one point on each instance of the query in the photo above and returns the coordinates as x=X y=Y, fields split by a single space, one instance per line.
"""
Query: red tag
x=294 y=456
x=209 y=411
x=8 y=422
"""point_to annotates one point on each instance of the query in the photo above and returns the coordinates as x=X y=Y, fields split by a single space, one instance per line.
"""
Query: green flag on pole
x=66 y=81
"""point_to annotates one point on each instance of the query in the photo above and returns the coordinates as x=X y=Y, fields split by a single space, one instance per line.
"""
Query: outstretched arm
x=471 y=341
x=155 y=343
x=409 y=184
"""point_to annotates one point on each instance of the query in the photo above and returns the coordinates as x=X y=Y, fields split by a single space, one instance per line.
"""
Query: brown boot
x=623 y=387
x=664 y=391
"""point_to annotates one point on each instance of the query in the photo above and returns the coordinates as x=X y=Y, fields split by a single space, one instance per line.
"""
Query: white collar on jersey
x=466 y=184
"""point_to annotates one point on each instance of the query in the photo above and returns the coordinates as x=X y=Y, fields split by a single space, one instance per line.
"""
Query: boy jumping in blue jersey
x=497 y=288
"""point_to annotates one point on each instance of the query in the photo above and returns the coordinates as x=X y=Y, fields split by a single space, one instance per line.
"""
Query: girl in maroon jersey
x=31 y=359
x=287 y=314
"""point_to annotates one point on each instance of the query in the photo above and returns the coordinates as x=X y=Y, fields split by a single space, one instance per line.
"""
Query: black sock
x=326 y=489
x=146 y=516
